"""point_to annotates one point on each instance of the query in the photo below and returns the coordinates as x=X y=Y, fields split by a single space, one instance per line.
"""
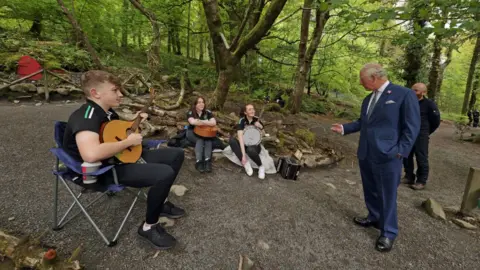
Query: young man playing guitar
x=82 y=142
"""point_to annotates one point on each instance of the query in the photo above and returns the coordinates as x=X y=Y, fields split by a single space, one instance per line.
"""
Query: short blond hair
x=92 y=78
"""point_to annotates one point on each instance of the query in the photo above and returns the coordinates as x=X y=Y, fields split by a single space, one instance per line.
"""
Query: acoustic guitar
x=118 y=130
x=206 y=131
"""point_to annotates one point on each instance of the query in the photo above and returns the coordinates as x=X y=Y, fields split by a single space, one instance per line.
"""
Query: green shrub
x=306 y=135
x=311 y=105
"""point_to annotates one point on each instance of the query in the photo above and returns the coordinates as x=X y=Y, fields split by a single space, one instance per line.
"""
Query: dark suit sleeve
x=410 y=123
x=355 y=126
x=352 y=127
x=433 y=116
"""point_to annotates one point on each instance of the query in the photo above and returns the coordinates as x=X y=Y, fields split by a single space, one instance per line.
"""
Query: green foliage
x=310 y=105
x=455 y=117
x=356 y=33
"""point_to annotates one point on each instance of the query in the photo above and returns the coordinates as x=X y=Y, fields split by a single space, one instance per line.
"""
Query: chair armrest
x=74 y=165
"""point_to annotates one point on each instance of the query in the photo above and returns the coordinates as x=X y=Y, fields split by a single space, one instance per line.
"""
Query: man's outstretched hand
x=337 y=128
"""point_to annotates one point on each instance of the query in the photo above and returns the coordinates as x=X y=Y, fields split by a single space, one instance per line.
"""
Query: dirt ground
x=280 y=224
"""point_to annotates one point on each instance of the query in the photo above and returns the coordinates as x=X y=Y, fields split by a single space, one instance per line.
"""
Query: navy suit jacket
x=392 y=127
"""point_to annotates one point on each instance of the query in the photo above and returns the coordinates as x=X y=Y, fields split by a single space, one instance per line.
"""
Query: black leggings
x=159 y=173
x=252 y=151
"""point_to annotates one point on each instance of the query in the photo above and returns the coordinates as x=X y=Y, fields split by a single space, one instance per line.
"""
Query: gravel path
x=305 y=224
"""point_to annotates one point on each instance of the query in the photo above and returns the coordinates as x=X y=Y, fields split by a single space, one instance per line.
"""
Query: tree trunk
x=305 y=58
x=124 y=44
x=139 y=38
x=471 y=72
x=154 y=53
x=301 y=72
x=82 y=35
x=442 y=70
x=169 y=40
x=228 y=58
x=36 y=28
x=473 y=98
x=178 y=47
x=188 y=29
x=435 y=68
x=202 y=48
x=415 y=49
x=211 y=53
x=225 y=77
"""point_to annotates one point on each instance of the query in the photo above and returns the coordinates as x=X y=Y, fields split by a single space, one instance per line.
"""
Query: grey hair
x=374 y=70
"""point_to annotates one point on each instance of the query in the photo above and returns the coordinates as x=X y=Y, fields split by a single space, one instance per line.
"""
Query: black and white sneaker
x=171 y=211
x=157 y=237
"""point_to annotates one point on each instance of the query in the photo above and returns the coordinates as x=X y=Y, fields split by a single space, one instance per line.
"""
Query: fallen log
x=180 y=97
x=21 y=79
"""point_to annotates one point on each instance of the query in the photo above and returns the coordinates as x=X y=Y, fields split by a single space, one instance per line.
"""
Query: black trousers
x=252 y=151
x=420 y=151
x=159 y=173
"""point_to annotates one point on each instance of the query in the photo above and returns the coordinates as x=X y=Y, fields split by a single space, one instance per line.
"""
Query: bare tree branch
x=288 y=16
x=274 y=60
x=242 y=25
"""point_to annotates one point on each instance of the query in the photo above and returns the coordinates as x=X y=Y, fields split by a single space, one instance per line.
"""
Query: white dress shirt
x=380 y=91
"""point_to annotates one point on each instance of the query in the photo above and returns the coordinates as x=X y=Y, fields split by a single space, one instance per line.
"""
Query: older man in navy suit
x=389 y=124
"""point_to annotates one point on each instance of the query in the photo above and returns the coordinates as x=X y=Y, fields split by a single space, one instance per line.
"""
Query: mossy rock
x=306 y=135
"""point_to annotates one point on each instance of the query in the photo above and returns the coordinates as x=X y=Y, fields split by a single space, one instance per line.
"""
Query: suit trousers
x=380 y=182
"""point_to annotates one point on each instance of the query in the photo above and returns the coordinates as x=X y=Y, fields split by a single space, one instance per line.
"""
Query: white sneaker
x=248 y=169
x=261 y=172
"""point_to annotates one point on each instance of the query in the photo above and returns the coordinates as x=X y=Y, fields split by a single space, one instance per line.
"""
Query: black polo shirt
x=430 y=116
x=90 y=116
x=205 y=116
x=244 y=122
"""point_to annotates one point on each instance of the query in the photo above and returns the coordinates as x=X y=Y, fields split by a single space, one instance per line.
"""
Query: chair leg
x=79 y=212
x=126 y=216
x=59 y=224
x=86 y=214
x=55 y=203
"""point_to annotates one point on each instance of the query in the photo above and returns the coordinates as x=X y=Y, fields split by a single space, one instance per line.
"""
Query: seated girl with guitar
x=238 y=146
x=201 y=131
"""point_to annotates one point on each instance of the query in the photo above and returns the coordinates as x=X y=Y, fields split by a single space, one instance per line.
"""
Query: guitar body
x=206 y=131
x=118 y=130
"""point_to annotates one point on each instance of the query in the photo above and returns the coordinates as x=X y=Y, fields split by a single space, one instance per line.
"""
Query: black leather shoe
x=200 y=166
x=365 y=222
x=384 y=244
x=208 y=165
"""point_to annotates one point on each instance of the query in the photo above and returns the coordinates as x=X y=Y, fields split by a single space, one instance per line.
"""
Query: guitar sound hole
x=118 y=139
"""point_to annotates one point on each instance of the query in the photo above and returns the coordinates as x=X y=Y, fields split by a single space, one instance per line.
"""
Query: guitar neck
x=138 y=119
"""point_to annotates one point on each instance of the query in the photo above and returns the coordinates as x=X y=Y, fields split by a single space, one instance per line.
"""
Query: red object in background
x=26 y=66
